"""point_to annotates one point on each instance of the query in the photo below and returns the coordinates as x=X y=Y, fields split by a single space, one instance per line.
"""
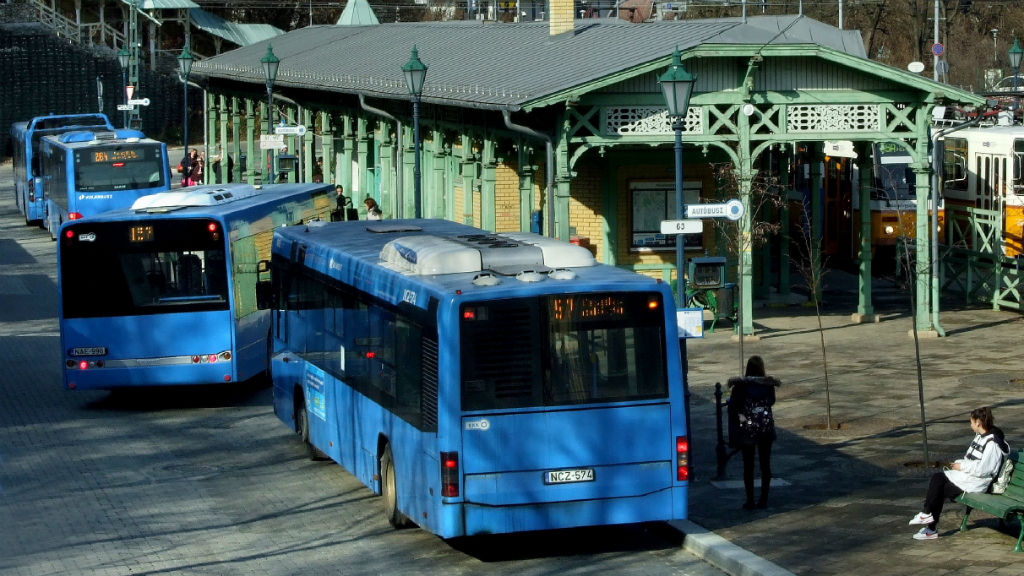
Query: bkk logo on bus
x=478 y=424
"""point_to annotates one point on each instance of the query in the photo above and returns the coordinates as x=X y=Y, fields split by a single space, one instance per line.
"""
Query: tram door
x=836 y=228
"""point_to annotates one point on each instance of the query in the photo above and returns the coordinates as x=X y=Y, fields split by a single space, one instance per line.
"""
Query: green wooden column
x=437 y=207
x=345 y=155
x=291 y=140
x=467 y=170
x=563 y=181
x=365 y=175
x=212 y=113
x=488 y=185
x=308 y=146
x=252 y=160
x=784 y=256
x=236 y=141
x=386 y=160
x=865 y=309
x=610 y=216
x=406 y=163
x=327 y=146
x=223 y=150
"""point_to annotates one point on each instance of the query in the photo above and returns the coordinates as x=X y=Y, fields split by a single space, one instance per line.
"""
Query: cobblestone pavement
x=842 y=499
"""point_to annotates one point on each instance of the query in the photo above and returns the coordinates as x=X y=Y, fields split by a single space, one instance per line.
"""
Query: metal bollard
x=722 y=453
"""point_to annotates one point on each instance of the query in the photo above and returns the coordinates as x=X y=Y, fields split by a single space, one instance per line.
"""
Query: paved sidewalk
x=841 y=500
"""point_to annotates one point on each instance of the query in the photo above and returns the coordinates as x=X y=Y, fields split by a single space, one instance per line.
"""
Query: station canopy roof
x=241 y=34
x=517 y=66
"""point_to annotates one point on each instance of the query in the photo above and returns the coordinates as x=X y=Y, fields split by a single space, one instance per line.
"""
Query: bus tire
x=388 y=491
x=302 y=427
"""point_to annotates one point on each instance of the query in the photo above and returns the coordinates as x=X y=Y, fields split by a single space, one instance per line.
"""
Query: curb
x=722 y=554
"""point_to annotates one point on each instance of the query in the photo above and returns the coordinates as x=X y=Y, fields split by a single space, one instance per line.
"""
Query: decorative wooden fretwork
x=833 y=118
x=646 y=121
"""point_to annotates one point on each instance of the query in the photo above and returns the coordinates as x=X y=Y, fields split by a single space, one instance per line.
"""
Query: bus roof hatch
x=507 y=254
x=198 y=196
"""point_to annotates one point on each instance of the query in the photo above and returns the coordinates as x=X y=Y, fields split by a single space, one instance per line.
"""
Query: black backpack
x=758 y=413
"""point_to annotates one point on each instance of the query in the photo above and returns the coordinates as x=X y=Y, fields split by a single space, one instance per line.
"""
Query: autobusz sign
x=733 y=210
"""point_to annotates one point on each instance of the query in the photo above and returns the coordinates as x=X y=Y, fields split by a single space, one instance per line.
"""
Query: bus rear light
x=682 y=459
x=227 y=377
x=83 y=365
x=69 y=234
x=450 y=474
x=212 y=358
x=653 y=304
x=74 y=215
x=195 y=359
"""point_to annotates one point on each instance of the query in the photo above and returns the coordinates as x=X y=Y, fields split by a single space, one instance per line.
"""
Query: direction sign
x=125 y=107
x=139 y=102
x=733 y=210
x=271 y=141
x=682 y=226
x=299 y=130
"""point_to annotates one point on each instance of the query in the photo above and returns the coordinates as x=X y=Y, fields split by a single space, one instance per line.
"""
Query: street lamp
x=1015 y=54
x=185 y=61
x=415 y=71
x=270 y=64
x=676 y=84
x=122 y=58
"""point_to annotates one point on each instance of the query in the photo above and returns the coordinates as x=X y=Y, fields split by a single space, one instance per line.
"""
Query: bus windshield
x=137 y=166
x=563 y=349
x=150 y=267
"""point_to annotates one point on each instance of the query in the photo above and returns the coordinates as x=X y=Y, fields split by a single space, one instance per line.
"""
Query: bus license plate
x=92 y=351
x=567 y=476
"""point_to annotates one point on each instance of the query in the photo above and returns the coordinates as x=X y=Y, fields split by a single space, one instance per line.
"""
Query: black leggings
x=939 y=489
x=764 y=449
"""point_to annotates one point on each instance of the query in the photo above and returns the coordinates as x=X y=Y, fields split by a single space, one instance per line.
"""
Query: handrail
x=90 y=33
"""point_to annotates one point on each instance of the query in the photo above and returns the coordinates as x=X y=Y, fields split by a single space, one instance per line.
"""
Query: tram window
x=1018 y=170
x=954 y=164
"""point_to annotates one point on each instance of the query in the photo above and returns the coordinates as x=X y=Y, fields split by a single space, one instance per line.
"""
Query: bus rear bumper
x=663 y=505
x=95 y=378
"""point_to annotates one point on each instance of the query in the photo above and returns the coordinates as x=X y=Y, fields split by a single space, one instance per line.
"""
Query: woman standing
x=972 y=473
x=372 y=209
x=752 y=399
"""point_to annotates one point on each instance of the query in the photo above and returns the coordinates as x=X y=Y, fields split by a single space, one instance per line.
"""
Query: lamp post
x=185 y=61
x=270 y=64
x=1015 y=54
x=122 y=58
x=676 y=84
x=415 y=71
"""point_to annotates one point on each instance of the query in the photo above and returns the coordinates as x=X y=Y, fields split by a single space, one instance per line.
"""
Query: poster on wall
x=653 y=201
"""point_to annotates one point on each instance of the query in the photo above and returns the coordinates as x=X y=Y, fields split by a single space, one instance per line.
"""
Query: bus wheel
x=388 y=492
x=302 y=427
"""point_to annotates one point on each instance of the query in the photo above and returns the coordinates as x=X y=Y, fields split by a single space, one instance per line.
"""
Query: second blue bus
x=165 y=293
x=26 y=138
x=481 y=383
x=87 y=172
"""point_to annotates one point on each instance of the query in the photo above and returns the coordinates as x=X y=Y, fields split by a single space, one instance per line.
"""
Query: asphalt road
x=207 y=480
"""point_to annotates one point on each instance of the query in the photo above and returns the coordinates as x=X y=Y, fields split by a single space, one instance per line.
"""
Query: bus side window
x=264 y=288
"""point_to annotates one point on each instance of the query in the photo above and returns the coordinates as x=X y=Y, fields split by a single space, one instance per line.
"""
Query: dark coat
x=743 y=389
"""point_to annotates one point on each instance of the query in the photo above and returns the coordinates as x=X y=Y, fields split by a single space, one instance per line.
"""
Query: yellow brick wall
x=506 y=199
x=561 y=17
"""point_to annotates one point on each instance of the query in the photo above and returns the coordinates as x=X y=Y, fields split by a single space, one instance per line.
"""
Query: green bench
x=1005 y=506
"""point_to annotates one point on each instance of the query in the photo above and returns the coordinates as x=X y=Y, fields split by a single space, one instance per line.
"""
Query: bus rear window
x=138 y=166
x=142 y=267
x=563 y=349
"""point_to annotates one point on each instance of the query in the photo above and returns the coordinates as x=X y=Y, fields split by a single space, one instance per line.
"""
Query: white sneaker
x=926 y=534
x=922 y=518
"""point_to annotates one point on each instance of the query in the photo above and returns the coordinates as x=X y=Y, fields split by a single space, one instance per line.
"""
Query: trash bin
x=726 y=296
x=536 y=221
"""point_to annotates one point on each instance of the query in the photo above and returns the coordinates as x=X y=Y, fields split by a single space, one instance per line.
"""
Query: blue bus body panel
x=630 y=446
x=24 y=133
x=150 y=350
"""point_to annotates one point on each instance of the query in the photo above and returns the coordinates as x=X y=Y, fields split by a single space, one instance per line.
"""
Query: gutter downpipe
x=937 y=153
x=398 y=145
x=549 y=159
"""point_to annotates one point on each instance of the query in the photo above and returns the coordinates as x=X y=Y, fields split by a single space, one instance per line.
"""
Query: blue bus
x=89 y=172
x=165 y=293
x=25 y=140
x=481 y=383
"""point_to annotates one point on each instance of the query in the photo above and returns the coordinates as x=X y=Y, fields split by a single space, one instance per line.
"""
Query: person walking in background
x=185 y=167
x=751 y=401
x=972 y=473
x=343 y=206
x=196 y=168
x=372 y=209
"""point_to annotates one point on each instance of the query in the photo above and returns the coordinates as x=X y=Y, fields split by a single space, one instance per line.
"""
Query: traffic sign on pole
x=733 y=210
x=271 y=141
x=299 y=130
x=139 y=102
x=682 y=226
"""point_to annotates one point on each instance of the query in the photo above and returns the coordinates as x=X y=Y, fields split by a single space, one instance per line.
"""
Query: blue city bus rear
x=510 y=402
x=88 y=172
x=25 y=140
x=166 y=293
